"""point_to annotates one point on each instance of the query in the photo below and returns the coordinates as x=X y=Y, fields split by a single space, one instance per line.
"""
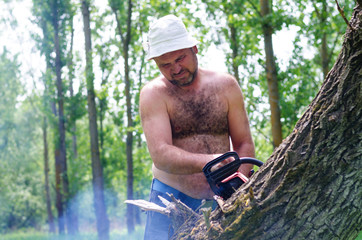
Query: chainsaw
x=225 y=180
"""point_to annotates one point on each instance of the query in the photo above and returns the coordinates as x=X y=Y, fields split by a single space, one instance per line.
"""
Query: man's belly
x=195 y=185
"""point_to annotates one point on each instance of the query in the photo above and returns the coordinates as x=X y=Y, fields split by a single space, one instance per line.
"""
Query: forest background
x=71 y=143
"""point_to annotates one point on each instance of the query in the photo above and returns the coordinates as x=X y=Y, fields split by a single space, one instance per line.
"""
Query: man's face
x=179 y=67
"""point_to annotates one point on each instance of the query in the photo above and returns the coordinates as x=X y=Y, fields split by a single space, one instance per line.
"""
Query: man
x=189 y=116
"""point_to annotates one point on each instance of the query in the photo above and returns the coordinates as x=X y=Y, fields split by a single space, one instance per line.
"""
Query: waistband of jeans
x=159 y=186
x=162 y=187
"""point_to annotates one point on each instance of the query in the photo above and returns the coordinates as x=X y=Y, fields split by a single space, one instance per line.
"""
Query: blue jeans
x=158 y=226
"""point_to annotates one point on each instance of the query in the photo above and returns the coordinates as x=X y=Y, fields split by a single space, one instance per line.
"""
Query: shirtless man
x=190 y=116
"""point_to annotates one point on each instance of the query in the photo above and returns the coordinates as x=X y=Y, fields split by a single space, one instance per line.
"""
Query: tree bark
x=73 y=227
x=324 y=45
x=126 y=41
x=271 y=75
x=310 y=188
x=62 y=157
x=71 y=90
x=97 y=170
x=129 y=140
x=235 y=52
x=46 y=177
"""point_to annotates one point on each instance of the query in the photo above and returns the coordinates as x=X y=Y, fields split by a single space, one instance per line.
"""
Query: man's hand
x=222 y=163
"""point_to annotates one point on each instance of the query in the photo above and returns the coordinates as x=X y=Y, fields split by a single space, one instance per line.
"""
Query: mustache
x=179 y=73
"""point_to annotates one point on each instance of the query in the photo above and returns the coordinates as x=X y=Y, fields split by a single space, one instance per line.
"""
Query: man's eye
x=166 y=65
x=180 y=59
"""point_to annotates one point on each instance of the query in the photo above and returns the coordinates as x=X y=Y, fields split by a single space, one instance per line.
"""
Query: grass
x=32 y=235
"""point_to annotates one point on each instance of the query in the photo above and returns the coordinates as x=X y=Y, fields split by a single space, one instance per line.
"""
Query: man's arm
x=239 y=125
x=157 y=129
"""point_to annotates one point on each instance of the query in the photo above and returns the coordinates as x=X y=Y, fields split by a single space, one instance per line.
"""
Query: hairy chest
x=204 y=113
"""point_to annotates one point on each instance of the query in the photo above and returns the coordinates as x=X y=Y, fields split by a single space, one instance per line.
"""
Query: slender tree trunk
x=129 y=141
x=73 y=226
x=271 y=75
x=58 y=182
x=58 y=192
x=126 y=40
x=71 y=90
x=57 y=167
x=97 y=170
x=235 y=53
x=61 y=119
x=324 y=46
x=46 y=177
x=324 y=56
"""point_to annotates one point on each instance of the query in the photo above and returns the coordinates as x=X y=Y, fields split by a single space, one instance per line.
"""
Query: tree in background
x=235 y=23
x=45 y=108
x=123 y=17
x=74 y=113
x=53 y=19
x=21 y=182
x=57 y=10
x=271 y=72
x=97 y=169
x=321 y=24
x=46 y=177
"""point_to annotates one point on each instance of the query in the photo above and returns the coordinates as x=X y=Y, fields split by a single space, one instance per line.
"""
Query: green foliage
x=20 y=182
x=299 y=83
x=319 y=18
x=10 y=91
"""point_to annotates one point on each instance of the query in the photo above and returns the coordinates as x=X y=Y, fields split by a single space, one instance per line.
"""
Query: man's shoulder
x=155 y=85
x=153 y=91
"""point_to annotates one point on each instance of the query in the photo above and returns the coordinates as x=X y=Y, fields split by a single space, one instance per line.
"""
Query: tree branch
x=255 y=8
x=316 y=10
x=341 y=11
x=119 y=28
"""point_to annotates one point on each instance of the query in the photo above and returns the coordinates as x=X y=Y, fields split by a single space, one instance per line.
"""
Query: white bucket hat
x=167 y=34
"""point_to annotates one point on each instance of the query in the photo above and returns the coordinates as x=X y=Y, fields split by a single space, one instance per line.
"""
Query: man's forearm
x=246 y=150
x=174 y=160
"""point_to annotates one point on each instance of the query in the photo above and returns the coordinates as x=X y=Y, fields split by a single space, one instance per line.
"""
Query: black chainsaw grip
x=216 y=177
x=209 y=165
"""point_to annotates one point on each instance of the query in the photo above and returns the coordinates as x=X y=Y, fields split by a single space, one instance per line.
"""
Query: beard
x=186 y=81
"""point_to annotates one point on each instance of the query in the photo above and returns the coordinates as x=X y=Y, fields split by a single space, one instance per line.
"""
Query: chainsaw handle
x=216 y=177
x=250 y=160
x=234 y=164
x=209 y=165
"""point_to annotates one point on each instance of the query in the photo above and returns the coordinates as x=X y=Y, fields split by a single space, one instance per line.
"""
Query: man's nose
x=176 y=68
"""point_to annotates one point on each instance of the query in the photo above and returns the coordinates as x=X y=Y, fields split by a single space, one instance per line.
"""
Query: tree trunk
x=271 y=75
x=46 y=178
x=74 y=225
x=310 y=188
x=71 y=90
x=129 y=141
x=60 y=99
x=235 y=52
x=324 y=45
x=97 y=170
x=126 y=40
x=58 y=192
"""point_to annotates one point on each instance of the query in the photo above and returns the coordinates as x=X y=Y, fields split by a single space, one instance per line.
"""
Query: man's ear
x=195 y=50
